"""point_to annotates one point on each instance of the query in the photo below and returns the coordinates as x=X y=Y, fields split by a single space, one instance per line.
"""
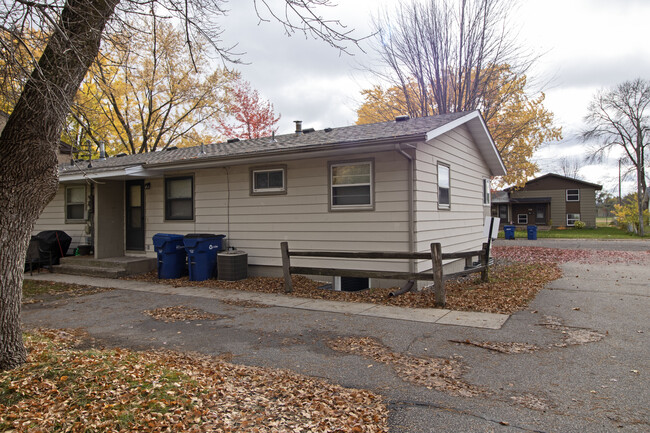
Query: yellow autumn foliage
x=519 y=123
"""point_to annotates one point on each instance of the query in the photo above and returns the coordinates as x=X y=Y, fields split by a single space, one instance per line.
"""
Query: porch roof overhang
x=530 y=200
x=119 y=173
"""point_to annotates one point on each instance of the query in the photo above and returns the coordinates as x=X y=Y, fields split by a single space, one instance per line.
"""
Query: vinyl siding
x=53 y=218
x=460 y=228
x=301 y=216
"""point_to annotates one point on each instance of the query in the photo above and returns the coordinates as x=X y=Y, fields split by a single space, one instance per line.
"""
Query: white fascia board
x=117 y=174
x=481 y=135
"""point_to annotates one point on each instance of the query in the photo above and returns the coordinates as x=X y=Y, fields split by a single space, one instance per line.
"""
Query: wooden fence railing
x=436 y=275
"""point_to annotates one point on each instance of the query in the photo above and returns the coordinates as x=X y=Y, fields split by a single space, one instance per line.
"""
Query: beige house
x=391 y=186
x=549 y=200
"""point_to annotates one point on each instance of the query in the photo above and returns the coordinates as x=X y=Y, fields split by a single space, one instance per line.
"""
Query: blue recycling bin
x=532 y=233
x=509 y=232
x=171 y=255
x=202 y=252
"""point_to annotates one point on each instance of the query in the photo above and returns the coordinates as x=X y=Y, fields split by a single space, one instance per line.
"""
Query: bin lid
x=203 y=235
x=167 y=235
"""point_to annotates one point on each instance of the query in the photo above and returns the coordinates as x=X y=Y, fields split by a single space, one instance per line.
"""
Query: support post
x=485 y=259
x=438 y=282
x=286 y=267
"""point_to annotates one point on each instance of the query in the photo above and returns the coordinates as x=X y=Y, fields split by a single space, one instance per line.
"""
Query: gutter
x=411 y=203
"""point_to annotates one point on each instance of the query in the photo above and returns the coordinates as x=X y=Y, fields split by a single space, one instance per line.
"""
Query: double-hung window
x=572 y=195
x=179 y=198
x=75 y=203
x=351 y=185
x=268 y=181
x=486 y=192
x=571 y=219
x=444 y=183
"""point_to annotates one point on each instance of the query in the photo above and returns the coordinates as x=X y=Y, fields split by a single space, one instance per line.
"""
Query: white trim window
x=571 y=219
x=268 y=180
x=572 y=195
x=522 y=218
x=486 y=192
x=351 y=185
x=444 y=186
x=179 y=198
x=75 y=203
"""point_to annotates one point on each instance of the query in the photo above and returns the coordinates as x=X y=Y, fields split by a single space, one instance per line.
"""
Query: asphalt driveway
x=577 y=360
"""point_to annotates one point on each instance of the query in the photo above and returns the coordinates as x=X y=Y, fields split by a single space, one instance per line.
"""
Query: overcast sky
x=586 y=45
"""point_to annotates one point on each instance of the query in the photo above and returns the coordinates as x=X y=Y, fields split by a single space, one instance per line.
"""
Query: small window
x=522 y=218
x=351 y=185
x=268 y=181
x=572 y=195
x=75 y=203
x=444 y=195
x=571 y=219
x=486 y=192
x=179 y=198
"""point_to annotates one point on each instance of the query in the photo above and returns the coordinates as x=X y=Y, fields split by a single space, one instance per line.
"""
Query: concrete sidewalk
x=425 y=315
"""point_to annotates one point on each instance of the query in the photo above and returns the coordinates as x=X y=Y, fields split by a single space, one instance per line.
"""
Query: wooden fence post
x=438 y=282
x=485 y=260
x=286 y=267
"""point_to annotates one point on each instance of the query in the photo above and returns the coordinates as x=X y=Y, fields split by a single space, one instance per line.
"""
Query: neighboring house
x=391 y=186
x=549 y=200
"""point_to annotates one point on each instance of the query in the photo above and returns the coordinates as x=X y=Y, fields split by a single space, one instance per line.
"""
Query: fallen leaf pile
x=62 y=389
x=441 y=374
x=500 y=346
x=244 y=303
x=532 y=402
x=181 y=313
x=38 y=291
x=511 y=287
x=571 y=336
x=555 y=255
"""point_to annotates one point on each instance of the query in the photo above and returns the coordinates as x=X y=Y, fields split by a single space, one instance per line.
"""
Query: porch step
x=113 y=267
x=90 y=271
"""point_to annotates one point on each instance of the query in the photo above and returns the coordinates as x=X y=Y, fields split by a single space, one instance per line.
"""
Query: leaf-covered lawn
x=62 y=389
x=607 y=232
x=38 y=290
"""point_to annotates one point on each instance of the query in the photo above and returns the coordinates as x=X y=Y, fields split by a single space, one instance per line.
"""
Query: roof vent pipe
x=298 y=126
x=202 y=150
x=102 y=150
x=402 y=118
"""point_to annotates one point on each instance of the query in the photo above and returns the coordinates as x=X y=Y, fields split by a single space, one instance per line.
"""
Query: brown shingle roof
x=412 y=129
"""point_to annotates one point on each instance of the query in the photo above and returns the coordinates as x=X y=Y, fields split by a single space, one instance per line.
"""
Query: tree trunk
x=28 y=145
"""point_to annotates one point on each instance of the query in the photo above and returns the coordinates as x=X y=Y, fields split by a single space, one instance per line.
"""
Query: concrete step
x=91 y=271
x=111 y=267
x=132 y=265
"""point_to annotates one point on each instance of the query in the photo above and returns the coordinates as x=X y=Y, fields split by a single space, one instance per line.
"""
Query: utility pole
x=619 y=181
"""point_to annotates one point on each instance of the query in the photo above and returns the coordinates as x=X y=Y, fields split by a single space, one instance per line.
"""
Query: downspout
x=411 y=204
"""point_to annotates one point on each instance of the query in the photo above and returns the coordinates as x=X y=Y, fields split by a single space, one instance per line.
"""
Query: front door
x=540 y=215
x=135 y=215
